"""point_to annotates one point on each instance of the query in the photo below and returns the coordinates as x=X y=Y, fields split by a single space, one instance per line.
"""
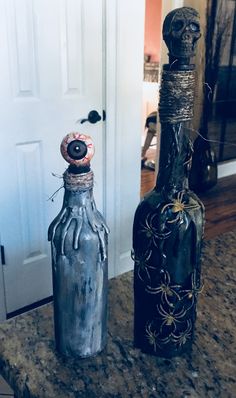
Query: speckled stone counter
x=32 y=367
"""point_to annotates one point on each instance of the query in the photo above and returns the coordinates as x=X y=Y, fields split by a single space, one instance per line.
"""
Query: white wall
x=124 y=75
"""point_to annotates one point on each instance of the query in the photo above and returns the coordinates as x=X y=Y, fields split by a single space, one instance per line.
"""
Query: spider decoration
x=152 y=336
x=151 y=231
x=154 y=339
x=165 y=289
x=179 y=206
x=192 y=293
x=182 y=337
x=171 y=318
x=141 y=262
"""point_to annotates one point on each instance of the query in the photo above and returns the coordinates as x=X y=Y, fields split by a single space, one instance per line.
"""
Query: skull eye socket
x=178 y=25
x=194 y=27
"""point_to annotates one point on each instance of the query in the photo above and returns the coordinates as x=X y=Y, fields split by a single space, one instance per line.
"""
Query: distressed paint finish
x=78 y=238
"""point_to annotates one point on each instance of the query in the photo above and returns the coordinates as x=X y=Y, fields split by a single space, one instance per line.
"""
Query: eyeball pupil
x=77 y=149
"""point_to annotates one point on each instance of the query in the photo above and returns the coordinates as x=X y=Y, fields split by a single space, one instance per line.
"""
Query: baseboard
x=30 y=307
x=226 y=169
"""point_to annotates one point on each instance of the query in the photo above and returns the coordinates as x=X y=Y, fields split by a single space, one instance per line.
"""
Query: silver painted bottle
x=78 y=238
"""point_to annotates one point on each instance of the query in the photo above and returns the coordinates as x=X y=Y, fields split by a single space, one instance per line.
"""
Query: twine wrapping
x=176 y=96
x=78 y=182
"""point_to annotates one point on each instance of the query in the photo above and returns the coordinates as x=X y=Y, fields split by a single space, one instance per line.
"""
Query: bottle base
x=167 y=353
x=70 y=355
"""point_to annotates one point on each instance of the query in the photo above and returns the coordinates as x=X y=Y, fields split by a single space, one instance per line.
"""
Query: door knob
x=93 y=117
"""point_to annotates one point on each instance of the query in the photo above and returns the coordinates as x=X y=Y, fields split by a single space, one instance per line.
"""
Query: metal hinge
x=2 y=250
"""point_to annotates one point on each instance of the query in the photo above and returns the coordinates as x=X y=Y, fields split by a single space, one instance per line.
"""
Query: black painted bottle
x=169 y=221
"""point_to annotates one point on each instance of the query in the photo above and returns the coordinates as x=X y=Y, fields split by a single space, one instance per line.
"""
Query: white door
x=50 y=76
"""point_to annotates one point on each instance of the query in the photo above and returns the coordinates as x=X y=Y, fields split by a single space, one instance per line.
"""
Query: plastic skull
x=181 y=30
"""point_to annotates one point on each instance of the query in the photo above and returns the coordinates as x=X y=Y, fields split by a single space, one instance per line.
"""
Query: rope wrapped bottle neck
x=78 y=182
x=176 y=96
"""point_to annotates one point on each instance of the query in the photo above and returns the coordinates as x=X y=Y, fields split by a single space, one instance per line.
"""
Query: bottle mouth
x=78 y=182
x=79 y=169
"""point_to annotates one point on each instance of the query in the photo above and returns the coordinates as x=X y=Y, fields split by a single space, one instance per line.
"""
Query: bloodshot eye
x=77 y=149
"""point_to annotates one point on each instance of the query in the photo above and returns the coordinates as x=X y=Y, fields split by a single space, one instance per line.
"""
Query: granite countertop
x=34 y=370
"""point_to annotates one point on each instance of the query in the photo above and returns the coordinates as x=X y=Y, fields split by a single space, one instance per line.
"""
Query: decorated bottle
x=78 y=238
x=169 y=221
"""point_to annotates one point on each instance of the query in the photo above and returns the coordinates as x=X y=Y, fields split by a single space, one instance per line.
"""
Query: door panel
x=50 y=76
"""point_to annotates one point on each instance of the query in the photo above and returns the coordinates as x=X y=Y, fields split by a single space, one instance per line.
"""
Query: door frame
x=123 y=126
x=110 y=101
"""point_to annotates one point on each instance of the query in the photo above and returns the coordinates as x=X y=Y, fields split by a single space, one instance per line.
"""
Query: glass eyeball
x=77 y=149
x=194 y=27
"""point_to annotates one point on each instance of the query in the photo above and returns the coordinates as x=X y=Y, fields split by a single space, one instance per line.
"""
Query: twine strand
x=208 y=140
x=55 y=194
x=210 y=92
x=57 y=175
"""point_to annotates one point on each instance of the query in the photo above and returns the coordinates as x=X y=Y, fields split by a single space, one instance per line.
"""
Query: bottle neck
x=175 y=111
x=77 y=198
x=78 y=188
x=175 y=158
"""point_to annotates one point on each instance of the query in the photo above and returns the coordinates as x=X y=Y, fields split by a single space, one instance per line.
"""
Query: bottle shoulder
x=184 y=205
x=151 y=199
